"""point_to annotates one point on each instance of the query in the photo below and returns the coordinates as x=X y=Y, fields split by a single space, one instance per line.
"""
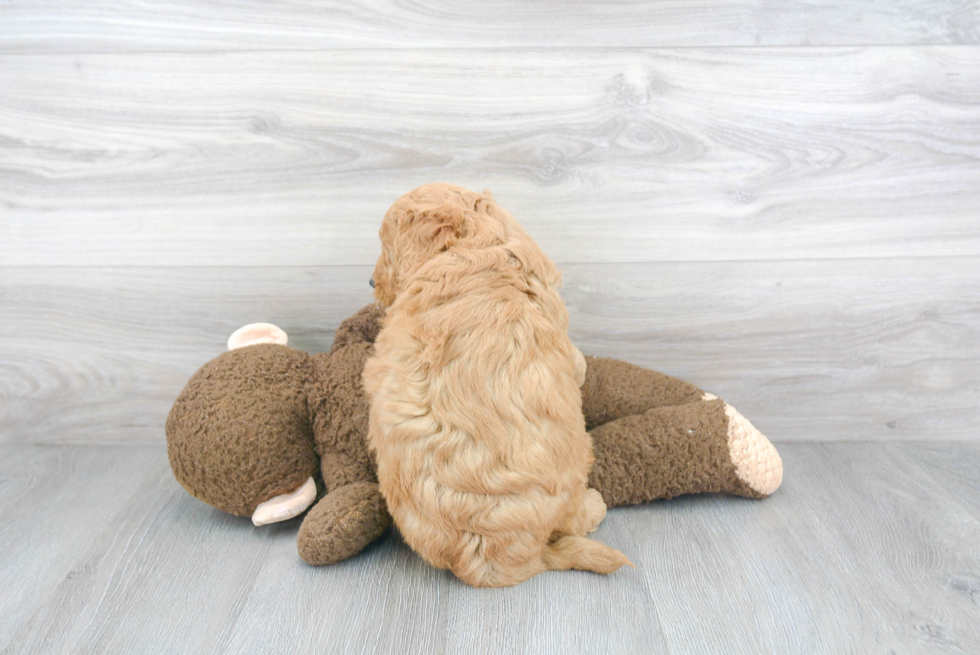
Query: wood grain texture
x=99 y=355
x=862 y=349
x=58 y=25
x=54 y=502
x=862 y=550
x=291 y=158
x=956 y=468
x=859 y=551
x=392 y=602
x=809 y=351
x=184 y=581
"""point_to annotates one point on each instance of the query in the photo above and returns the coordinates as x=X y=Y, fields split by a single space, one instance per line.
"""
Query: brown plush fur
x=239 y=432
x=343 y=523
x=687 y=446
x=235 y=429
x=654 y=437
x=614 y=389
x=339 y=414
x=476 y=412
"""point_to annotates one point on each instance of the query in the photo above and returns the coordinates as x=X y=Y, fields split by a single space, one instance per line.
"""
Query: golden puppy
x=476 y=413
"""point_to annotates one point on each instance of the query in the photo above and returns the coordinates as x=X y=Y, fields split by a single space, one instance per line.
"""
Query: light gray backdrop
x=780 y=206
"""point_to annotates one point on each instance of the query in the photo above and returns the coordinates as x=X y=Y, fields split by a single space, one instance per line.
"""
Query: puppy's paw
x=595 y=510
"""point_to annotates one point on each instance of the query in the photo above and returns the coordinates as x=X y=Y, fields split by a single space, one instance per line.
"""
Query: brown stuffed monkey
x=259 y=429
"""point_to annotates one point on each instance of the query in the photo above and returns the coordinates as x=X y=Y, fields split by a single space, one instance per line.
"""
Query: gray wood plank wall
x=778 y=203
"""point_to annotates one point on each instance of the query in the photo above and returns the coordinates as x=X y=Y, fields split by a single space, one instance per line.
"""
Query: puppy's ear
x=438 y=229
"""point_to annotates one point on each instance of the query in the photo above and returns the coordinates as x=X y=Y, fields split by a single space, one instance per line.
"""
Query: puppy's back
x=496 y=447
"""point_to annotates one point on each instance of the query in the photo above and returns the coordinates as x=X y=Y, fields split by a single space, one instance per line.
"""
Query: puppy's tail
x=582 y=554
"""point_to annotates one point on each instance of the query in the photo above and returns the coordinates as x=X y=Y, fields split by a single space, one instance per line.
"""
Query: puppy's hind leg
x=569 y=549
x=586 y=510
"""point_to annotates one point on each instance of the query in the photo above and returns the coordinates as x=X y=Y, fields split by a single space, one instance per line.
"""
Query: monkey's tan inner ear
x=285 y=506
x=253 y=333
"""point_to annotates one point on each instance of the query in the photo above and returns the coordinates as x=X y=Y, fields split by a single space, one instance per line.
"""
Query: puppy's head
x=425 y=222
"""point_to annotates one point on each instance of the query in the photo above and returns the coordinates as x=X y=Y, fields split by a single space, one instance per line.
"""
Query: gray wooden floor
x=867 y=548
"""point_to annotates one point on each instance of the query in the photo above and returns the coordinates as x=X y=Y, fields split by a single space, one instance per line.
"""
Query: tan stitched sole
x=756 y=461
